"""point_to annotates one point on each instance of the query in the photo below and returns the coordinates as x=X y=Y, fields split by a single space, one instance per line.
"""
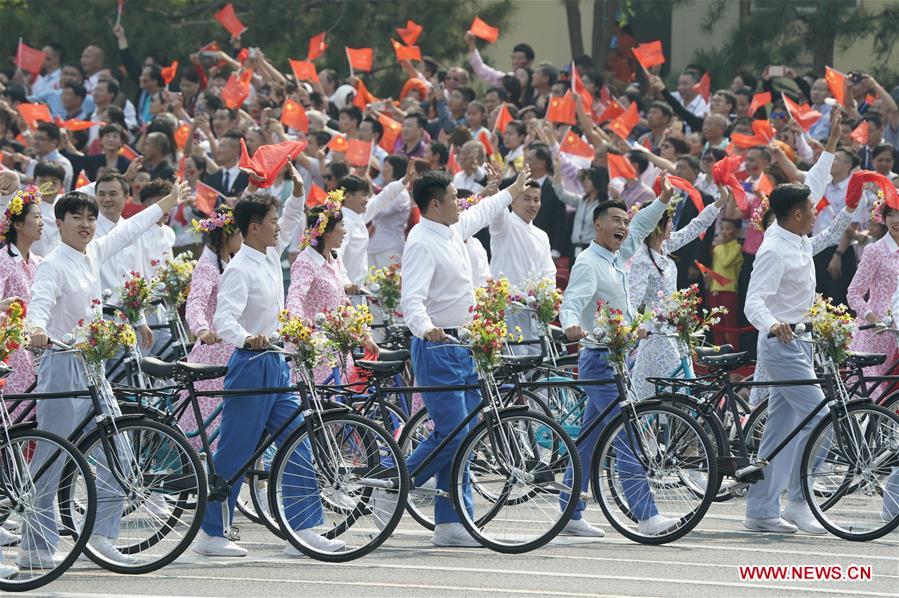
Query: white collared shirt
x=477 y=255
x=155 y=246
x=354 y=249
x=697 y=107
x=461 y=180
x=438 y=287
x=233 y=173
x=50 y=234
x=117 y=269
x=782 y=285
x=520 y=250
x=67 y=280
x=46 y=83
x=251 y=291
x=836 y=201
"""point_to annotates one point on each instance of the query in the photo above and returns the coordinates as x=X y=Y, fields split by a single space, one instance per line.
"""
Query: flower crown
x=467 y=202
x=223 y=218
x=24 y=197
x=877 y=209
x=331 y=207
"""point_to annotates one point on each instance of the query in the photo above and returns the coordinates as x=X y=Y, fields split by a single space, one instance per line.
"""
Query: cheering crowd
x=286 y=185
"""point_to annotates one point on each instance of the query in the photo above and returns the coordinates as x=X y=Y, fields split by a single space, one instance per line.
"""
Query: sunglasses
x=779 y=115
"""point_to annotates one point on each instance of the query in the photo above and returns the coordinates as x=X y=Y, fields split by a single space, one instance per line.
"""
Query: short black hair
x=604 y=206
x=156 y=74
x=253 y=208
x=49 y=169
x=114 y=176
x=441 y=151
x=787 y=197
x=525 y=49
x=376 y=127
x=881 y=148
x=519 y=126
x=431 y=185
x=112 y=86
x=75 y=202
x=77 y=88
x=502 y=93
x=853 y=158
x=400 y=165
x=873 y=117
x=57 y=49
x=690 y=159
x=155 y=189
x=353 y=112
x=542 y=152
x=467 y=93
x=113 y=128
x=232 y=134
x=338 y=169
x=664 y=108
x=351 y=184
x=420 y=119
x=639 y=159
x=51 y=129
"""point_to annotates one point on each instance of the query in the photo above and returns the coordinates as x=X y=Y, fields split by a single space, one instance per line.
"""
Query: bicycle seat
x=726 y=361
x=712 y=351
x=182 y=370
x=384 y=368
x=864 y=360
x=520 y=363
x=397 y=355
x=563 y=360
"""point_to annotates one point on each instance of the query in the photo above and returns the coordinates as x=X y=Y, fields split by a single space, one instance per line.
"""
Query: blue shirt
x=598 y=274
x=53 y=99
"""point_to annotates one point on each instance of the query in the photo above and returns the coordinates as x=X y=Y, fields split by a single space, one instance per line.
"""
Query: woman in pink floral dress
x=21 y=225
x=222 y=241
x=873 y=286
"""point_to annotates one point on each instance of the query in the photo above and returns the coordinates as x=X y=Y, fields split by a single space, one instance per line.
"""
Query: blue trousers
x=787 y=406
x=244 y=419
x=443 y=366
x=593 y=365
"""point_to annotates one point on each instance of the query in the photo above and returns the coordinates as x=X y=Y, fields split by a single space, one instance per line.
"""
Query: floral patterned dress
x=16 y=277
x=199 y=311
x=876 y=280
x=316 y=286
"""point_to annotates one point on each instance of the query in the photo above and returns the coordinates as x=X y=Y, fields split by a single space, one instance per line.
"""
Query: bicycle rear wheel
x=37 y=469
x=420 y=504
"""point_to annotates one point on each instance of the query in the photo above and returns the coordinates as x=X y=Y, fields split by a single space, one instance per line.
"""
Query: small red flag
x=405 y=52
x=746 y=141
x=205 y=198
x=34 y=113
x=293 y=115
x=624 y=123
x=182 y=135
x=229 y=20
x=704 y=87
x=836 y=81
x=562 y=110
x=821 y=205
x=29 y=59
x=578 y=87
x=860 y=133
x=573 y=144
x=360 y=59
x=363 y=97
x=168 y=72
x=803 y=115
x=392 y=130
x=723 y=173
x=317 y=46
x=620 y=166
x=237 y=89
x=268 y=160
x=81 y=180
x=316 y=196
x=410 y=32
x=303 y=70
x=484 y=138
x=338 y=144
x=73 y=124
x=649 y=54
x=358 y=152
x=502 y=119
x=182 y=165
x=452 y=165
x=759 y=100
x=870 y=99
x=128 y=152
x=692 y=192
x=856 y=184
x=764 y=186
x=484 y=31
x=613 y=110
x=719 y=278
x=763 y=129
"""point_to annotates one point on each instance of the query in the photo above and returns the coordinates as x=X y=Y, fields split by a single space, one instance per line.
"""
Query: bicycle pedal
x=752 y=473
x=234 y=533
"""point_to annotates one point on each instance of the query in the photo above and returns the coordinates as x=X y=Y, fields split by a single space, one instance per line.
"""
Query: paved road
x=704 y=564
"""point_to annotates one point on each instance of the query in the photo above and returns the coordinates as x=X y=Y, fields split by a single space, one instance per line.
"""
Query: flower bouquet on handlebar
x=173 y=280
x=311 y=347
x=99 y=340
x=682 y=312
x=347 y=326
x=832 y=328
x=618 y=335
x=386 y=284
x=487 y=331
x=136 y=296
x=13 y=332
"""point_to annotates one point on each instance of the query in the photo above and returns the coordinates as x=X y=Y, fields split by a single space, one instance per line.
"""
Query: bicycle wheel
x=755 y=428
x=257 y=483
x=565 y=404
x=657 y=461
x=347 y=482
x=36 y=469
x=508 y=481
x=151 y=498
x=420 y=503
x=850 y=472
x=390 y=416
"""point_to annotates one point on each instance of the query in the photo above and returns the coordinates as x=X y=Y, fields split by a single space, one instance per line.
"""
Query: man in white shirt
x=688 y=96
x=437 y=292
x=155 y=248
x=52 y=71
x=250 y=299
x=66 y=283
x=44 y=142
x=472 y=176
x=92 y=62
x=781 y=291
x=50 y=176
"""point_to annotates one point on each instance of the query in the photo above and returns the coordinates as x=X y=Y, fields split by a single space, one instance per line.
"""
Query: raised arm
x=833 y=233
x=480 y=68
x=483 y=213
x=293 y=210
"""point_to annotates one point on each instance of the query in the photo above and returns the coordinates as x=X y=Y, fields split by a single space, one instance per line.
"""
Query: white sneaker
x=103 y=546
x=37 y=559
x=9 y=538
x=320 y=543
x=453 y=534
x=216 y=546
x=657 y=525
x=383 y=506
x=800 y=515
x=157 y=506
x=8 y=571
x=10 y=525
x=774 y=524
x=580 y=527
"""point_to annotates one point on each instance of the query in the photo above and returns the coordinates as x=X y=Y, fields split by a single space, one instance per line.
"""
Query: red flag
x=363 y=96
x=452 y=165
x=573 y=144
x=34 y=113
x=168 y=72
x=182 y=165
x=358 y=152
x=649 y=54
x=293 y=115
x=303 y=70
x=29 y=59
x=182 y=135
x=759 y=100
x=857 y=181
x=723 y=173
x=869 y=99
x=205 y=198
x=692 y=192
x=821 y=205
x=860 y=133
x=836 y=81
x=316 y=196
x=803 y=115
x=763 y=129
x=338 y=144
x=128 y=152
x=746 y=141
x=268 y=160
x=410 y=32
x=392 y=130
x=624 y=123
x=237 y=89
x=620 y=166
x=764 y=186
x=317 y=46
x=613 y=110
x=562 y=110
x=484 y=31
x=73 y=124
x=704 y=87
x=578 y=87
x=502 y=119
x=360 y=59
x=719 y=278
x=229 y=20
x=485 y=140
x=82 y=180
x=405 y=52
